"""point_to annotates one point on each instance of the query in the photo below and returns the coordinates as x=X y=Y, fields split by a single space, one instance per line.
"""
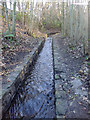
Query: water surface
x=36 y=98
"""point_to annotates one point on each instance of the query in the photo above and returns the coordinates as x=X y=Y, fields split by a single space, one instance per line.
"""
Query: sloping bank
x=18 y=76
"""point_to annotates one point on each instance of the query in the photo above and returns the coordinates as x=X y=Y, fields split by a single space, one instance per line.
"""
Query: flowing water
x=35 y=99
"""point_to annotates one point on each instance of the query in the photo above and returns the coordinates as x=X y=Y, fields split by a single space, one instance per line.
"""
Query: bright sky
x=81 y=2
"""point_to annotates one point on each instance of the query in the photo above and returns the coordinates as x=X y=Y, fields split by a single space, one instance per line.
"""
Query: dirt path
x=70 y=85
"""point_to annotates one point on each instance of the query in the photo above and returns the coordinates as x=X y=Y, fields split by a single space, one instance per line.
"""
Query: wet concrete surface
x=36 y=98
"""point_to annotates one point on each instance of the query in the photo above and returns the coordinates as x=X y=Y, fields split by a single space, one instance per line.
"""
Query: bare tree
x=13 y=22
x=6 y=12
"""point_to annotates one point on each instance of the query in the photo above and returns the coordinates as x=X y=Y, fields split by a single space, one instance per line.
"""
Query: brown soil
x=14 y=51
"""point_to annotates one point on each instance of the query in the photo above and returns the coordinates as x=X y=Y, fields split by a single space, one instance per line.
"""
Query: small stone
x=85 y=98
x=83 y=88
x=72 y=77
x=61 y=94
x=63 y=75
x=74 y=111
x=60 y=116
x=81 y=71
x=61 y=107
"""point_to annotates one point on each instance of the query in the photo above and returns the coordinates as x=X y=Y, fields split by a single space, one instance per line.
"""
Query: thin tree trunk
x=3 y=16
x=32 y=5
x=71 y=21
x=23 y=13
x=18 y=4
x=10 y=10
x=63 y=18
x=13 y=25
x=6 y=12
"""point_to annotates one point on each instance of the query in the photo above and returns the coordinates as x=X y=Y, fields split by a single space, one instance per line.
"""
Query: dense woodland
x=36 y=17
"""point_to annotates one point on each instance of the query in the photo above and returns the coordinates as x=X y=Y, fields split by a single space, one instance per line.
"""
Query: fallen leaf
x=74 y=111
x=85 y=98
x=83 y=88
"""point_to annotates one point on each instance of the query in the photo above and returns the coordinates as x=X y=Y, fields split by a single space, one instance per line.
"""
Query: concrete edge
x=19 y=76
x=54 y=74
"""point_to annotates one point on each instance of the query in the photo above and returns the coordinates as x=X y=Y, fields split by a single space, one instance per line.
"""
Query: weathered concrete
x=17 y=77
x=35 y=99
x=37 y=94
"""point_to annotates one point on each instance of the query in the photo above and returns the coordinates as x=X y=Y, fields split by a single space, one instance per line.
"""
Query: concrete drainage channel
x=18 y=76
x=36 y=96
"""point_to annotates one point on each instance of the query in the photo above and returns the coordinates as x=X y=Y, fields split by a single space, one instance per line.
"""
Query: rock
x=60 y=94
x=76 y=83
x=63 y=76
x=58 y=85
x=61 y=116
x=81 y=72
x=61 y=107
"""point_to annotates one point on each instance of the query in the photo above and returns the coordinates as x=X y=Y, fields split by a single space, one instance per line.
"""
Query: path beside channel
x=70 y=93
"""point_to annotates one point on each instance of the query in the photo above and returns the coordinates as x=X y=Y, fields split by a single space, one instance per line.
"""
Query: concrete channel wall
x=18 y=76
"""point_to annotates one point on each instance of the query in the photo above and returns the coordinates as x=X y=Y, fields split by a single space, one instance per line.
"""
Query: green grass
x=10 y=35
x=89 y=64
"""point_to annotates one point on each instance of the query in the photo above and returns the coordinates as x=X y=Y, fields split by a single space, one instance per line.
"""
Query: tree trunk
x=6 y=12
x=3 y=17
x=63 y=17
x=18 y=4
x=10 y=11
x=13 y=24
